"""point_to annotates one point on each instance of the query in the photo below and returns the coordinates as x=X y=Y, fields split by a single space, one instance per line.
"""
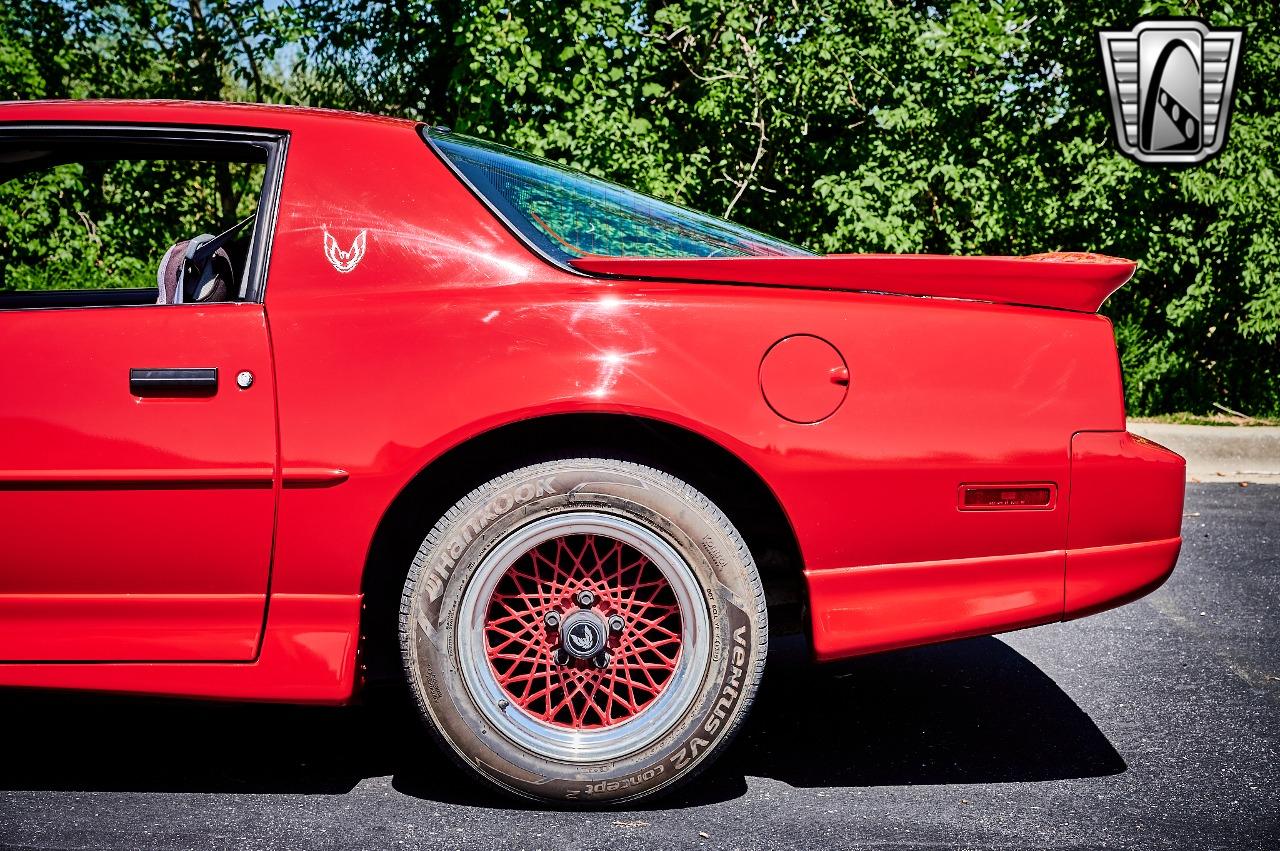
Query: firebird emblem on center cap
x=344 y=261
x=583 y=637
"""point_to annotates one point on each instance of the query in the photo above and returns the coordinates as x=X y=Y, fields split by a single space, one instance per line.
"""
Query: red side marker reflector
x=996 y=497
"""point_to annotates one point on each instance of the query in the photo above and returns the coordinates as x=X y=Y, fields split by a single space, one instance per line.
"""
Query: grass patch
x=1214 y=419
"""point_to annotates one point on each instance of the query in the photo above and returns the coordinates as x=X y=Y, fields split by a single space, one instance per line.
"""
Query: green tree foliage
x=842 y=125
x=107 y=225
x=96 y=225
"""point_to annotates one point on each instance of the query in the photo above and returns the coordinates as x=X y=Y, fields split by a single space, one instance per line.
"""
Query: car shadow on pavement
x=970 y=711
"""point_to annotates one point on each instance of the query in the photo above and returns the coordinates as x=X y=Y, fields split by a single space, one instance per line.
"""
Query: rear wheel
x=586 y=629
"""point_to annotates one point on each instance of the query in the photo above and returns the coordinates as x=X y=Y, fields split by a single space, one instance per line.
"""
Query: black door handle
x=201 y=381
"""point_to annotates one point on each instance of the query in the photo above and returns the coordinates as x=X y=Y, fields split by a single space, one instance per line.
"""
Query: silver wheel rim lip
x=561 y=743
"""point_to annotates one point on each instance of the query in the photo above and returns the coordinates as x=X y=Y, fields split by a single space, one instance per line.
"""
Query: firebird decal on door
x=344 y=261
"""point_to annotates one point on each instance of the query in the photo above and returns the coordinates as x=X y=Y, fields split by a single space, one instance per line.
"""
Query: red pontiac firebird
x=556 y=453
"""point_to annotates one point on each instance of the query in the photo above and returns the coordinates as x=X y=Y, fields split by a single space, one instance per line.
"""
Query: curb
x=1248 y=454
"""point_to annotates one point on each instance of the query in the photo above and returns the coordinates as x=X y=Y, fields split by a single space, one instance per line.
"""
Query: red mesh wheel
x=542 y=591
x=583 y=630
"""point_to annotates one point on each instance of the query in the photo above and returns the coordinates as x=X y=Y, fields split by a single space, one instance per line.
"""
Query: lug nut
x=586 y=599
x=601 y=659
x=552 y=620
x=562 y=656
x=616 y=623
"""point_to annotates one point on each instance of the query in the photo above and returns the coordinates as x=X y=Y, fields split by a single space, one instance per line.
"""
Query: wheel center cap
x=583 y=634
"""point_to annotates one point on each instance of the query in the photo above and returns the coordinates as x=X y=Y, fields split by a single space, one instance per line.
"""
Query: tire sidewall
x=450 y=559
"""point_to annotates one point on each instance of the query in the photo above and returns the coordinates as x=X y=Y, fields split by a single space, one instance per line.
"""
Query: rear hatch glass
x=565 y=214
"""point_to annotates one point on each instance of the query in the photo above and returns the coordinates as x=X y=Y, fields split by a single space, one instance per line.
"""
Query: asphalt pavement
x=1153 y=726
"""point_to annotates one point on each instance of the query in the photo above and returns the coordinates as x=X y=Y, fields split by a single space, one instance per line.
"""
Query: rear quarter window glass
x=567 y=214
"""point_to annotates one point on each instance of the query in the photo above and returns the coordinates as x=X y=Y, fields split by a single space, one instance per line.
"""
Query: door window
x=91 y=221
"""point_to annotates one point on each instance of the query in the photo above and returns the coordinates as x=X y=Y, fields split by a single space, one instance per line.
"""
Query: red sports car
x=407 y=403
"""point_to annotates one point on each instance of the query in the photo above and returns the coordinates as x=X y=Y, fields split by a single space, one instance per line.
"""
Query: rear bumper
x=878 y=607
x=1123 y=533
x=1105 y=577
x=1123 y=540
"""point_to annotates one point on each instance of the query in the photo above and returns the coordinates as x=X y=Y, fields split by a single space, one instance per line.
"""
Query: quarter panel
x=873 y=484
x=448 y=328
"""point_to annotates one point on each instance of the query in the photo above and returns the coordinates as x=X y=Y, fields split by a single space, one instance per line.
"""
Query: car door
x=137 y=453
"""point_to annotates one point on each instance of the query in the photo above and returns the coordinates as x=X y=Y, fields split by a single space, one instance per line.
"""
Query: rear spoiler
x=1063 y=280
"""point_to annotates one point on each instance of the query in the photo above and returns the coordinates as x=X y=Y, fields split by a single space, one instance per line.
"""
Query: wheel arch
x=738 y=489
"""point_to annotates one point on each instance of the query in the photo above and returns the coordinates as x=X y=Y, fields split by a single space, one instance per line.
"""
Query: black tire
x=714 y=696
